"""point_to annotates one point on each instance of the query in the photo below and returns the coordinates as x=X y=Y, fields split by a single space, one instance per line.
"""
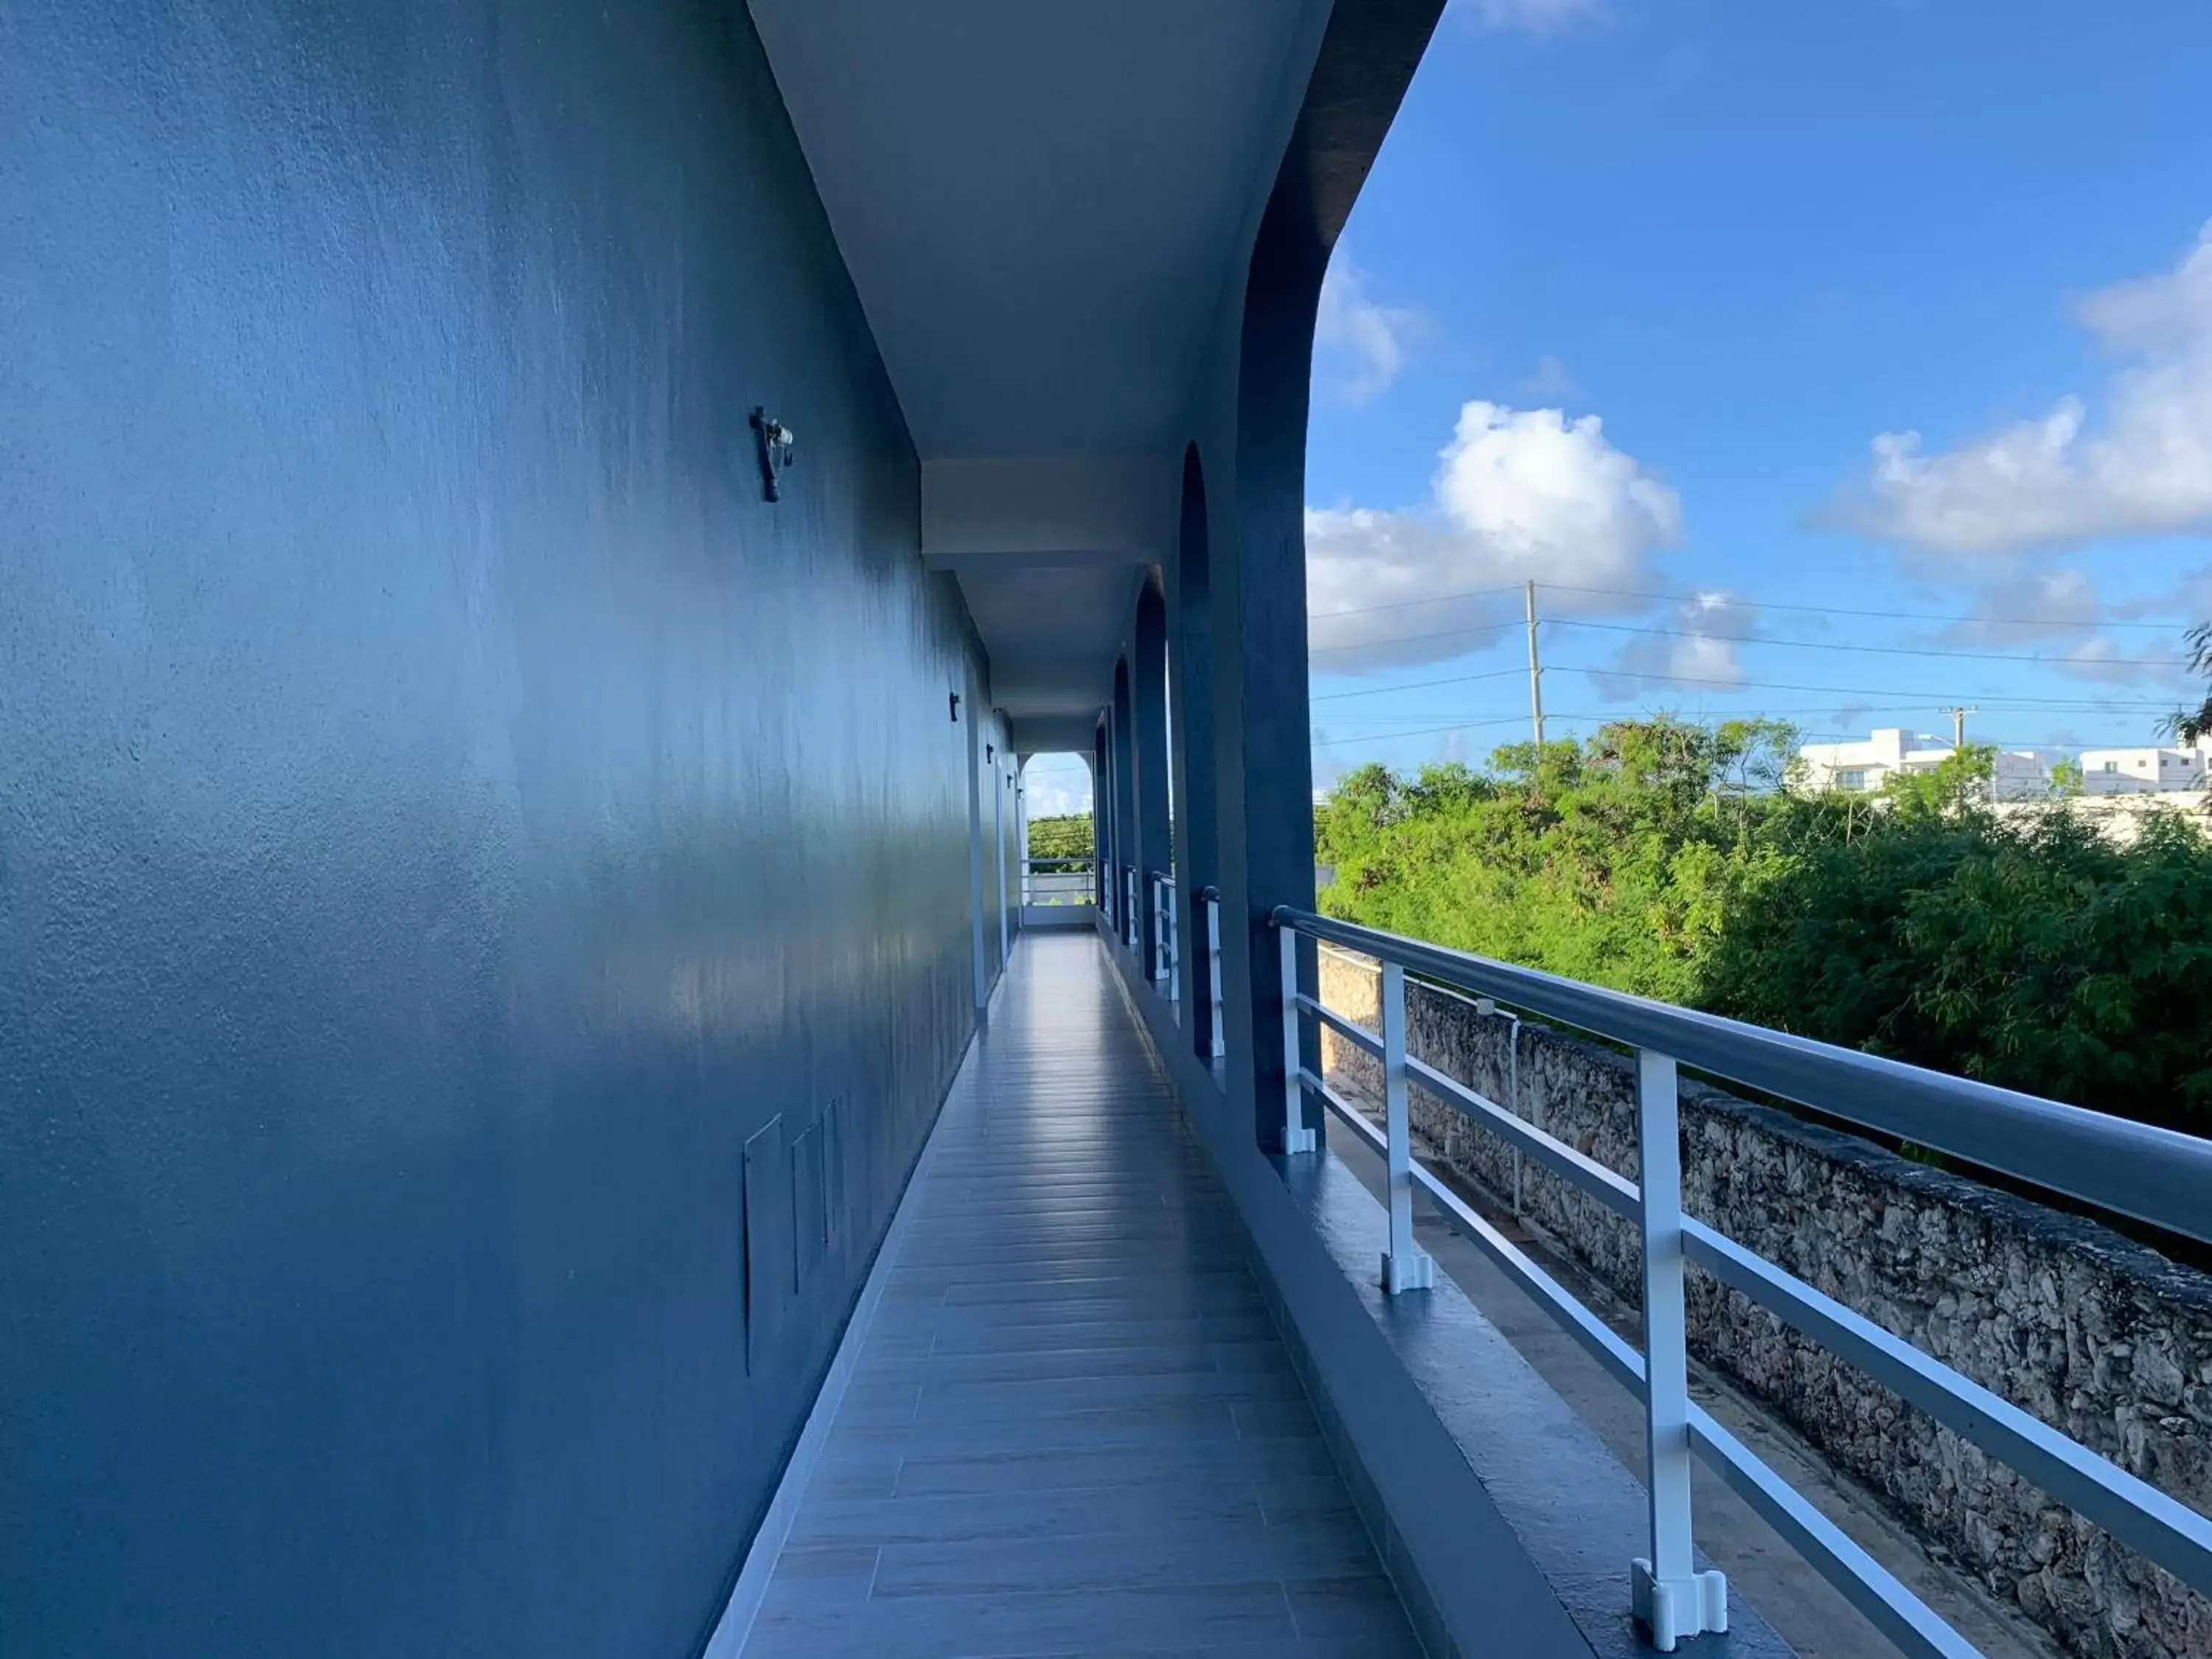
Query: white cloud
x=1366 y=338
x=2145 y=468
x=1534 y=16
x=2059 y=613
x=1698 y=644
x=2026 y=607
x=2117 y=662
x=2190 y=597
x=1519 y=494
x=1055 y=787
x=1550 y=382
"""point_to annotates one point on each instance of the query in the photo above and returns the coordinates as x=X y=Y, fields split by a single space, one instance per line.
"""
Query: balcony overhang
x=1041 y=207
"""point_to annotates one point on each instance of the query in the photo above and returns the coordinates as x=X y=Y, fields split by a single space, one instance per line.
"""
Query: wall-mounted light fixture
x=776 y=441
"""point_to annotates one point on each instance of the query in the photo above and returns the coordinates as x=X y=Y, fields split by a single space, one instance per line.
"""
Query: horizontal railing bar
x=2132 y=1169
x=2134 y=1511
x=1621 y=1361
x=1863 y=1582
x=1584 y=1174
x=1887 y=1603
x=1358 y=1036
x=1353 y=1116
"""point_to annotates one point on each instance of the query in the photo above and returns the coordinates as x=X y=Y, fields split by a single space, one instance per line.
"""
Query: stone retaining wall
x=2097 y=1335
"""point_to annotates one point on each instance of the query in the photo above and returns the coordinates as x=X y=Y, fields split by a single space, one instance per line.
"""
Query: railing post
x=1295 y=1137
x=1670 y=1596
x=1214 y=1018
x=1405 y=1265
x=1150 y=930
x=1172 y=924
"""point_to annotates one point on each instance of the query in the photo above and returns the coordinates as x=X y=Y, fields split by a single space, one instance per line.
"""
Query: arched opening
x=1193 y=830
x=1056 y=839
x=1120 y=871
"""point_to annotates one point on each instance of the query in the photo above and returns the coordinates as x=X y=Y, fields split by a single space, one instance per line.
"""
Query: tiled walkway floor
x=1073 y=1431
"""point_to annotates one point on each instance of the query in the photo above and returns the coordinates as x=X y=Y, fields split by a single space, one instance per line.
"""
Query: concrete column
x=1022 y=828
x=971 y=716
x=1127 y=847
x=1149 y=712
x=1002 y=781
x=1102 y=816
x=1190 y=646
x=1263 y=758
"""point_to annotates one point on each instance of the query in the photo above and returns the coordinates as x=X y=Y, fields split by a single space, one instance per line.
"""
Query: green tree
x=2037 y=954
x=2194 y=724
x=1607 y=860
x=1957 y=784
x=1665 y=859
x=1067 y=837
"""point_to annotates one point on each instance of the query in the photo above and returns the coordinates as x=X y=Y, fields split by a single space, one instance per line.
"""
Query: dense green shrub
x=2037 y=954
x=1660 y=858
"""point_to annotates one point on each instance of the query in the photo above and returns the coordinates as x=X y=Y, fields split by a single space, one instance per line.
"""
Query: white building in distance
x=2144 y=771
x=1863 y=767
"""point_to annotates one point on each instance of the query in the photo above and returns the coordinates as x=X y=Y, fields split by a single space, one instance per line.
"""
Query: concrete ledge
x=1046 y=917
x=1505 y=1523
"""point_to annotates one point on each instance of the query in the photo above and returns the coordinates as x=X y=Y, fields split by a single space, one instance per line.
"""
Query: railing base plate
x=1416 y=1270
x=1673 y=1608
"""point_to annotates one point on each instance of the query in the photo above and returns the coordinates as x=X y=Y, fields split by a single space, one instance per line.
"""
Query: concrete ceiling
x=1040 y=202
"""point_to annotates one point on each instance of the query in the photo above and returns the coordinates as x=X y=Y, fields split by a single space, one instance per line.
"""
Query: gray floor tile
x=1072 y=1432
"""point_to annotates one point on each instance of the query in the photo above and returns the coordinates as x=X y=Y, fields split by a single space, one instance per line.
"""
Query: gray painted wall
x=444 y=818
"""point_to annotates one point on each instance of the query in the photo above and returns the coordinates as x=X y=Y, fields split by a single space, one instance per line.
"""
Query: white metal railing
x=1058 y=881
x=2154 y=1175
x=1167 y=943
x=1210 y=897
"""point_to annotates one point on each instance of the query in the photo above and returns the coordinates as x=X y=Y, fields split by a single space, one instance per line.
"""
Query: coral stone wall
x=2099 y=1336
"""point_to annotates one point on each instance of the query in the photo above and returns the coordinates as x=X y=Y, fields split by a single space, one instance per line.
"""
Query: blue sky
x=1688 y=260
x=1633 y=294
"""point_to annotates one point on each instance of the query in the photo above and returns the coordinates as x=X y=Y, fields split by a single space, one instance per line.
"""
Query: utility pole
x=1959 y=743
x=1535 y=671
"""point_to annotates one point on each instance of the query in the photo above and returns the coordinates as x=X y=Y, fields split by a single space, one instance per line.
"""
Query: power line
x=1934 y=698
x=1603 y=719
x=1473 y=628
x=1841 y=610
x=1400 y=604
x=1879 y=650
x=1693 y=598
x=1840 y=691
x=1392 y=737
x=1409 y=639
x=1457 y=679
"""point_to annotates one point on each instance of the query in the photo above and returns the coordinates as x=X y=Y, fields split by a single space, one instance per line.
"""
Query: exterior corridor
x=1072 y=1428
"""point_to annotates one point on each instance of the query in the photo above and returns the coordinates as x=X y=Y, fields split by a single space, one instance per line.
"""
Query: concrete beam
x=1052 y=734
x=1050 y=510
